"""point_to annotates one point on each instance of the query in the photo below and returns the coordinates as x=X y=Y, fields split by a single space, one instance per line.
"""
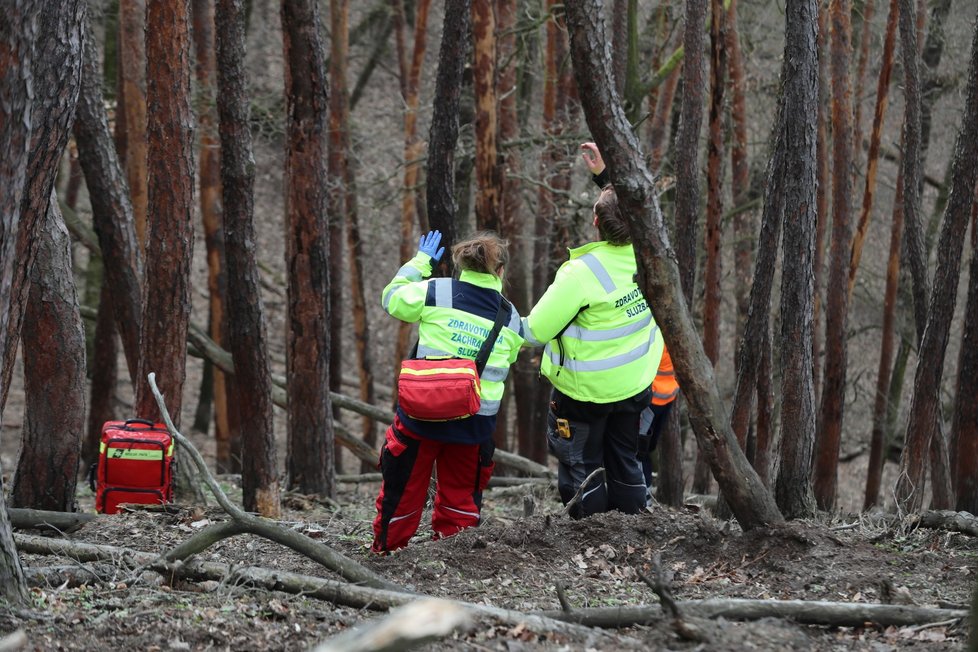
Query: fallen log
x=494 y=481
x=962 y=522
x=333 y=591
x=835 y=614
x=22 y=518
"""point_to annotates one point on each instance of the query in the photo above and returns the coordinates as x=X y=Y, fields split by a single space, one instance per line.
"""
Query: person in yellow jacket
x=602 y=348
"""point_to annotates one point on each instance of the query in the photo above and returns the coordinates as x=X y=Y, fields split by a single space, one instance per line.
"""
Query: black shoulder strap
x=501 y=314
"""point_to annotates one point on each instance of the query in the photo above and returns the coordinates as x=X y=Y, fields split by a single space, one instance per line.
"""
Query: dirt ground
x=514 y=562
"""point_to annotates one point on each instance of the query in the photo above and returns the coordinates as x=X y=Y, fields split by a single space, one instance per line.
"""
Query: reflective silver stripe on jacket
x=443 y=292
x=599 y=272
x=488 y=408
x=589 y=335
x=606 y=363
x=412 y=274
x=490 y=373
x=664 y=396
x=528 y=334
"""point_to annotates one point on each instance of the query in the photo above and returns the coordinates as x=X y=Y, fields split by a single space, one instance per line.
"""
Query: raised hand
x=428 y=244
x=592 y=158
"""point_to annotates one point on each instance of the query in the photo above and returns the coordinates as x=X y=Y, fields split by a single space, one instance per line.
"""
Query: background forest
x=142 y=244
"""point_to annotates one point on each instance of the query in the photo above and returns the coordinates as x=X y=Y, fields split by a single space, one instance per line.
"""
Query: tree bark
x=658 y=272
x=170 y=219
x=793 y=485
x=831 y=411
x=714 y=185
x=54 y=366
x=132 y=108
x=18 y=33
x=310 y=448
x=868 y=8
x=964 y=425
x=104 y=373
x=925 y=416
x=56 y=71
x=488 y=173
x=821 y=198
x=210 y=212
x=410 y=73
x=112 y=210
x=247 y=334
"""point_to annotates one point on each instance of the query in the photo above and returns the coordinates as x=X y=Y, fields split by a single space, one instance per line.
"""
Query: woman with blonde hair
x=461 y=321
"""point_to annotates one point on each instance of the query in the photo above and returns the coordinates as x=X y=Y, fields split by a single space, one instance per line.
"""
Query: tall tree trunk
x=529 y=422
x=310 y=450
x=488 y=188
x=104 y=372
x=868 y=8
x=410 y=72
x=714 y=185
x=687 y=176
x=660 y=121
x=210 y=212
x=132 y=105
x=881 y=403
x=925 y=416
x=170 y=220
x=251 y=395
x=112 y=211
x=54 y=366
x=619 y=43
x=18 y=31
x=964 y=425
x=821 y=196
x=336 y=195
x=658 y=272
x=872 y=158
x=793 y=485
x=831 y=412
x=739 y=170
x=56 y=72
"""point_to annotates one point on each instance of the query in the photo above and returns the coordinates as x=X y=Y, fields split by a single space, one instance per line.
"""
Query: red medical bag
x=135 y=465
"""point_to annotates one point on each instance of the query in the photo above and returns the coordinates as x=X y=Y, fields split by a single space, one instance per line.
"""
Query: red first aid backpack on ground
x=135 y=465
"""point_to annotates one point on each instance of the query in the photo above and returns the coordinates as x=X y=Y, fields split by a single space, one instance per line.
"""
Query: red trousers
x=406 y=462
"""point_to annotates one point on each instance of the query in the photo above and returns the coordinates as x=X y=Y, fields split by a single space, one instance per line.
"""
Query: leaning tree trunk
x=112 y=211
x=18 y=31
x=924 y=424
x=310 y=451
x=247 y=335
x=56 y=72
x=54 y=366
x=831 y=412
x=964 y=426
x=658 y=273
x=793 y=485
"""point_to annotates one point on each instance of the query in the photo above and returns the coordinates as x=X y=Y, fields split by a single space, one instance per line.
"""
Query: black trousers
x=601 y=435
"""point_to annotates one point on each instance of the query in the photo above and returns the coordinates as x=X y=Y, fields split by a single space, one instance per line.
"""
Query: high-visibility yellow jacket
x=455 y=317
x=602 y=344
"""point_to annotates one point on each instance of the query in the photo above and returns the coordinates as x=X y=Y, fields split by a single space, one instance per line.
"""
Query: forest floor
x=512 y=561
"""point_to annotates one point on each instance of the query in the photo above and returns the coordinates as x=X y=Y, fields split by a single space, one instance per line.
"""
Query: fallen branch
x=37 y=519
x=245 y=522
x=576 y=498
x=962 y=522
x=333 y=591
x=834 y=614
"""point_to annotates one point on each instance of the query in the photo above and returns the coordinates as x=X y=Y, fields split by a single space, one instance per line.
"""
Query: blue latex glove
x=428 y=244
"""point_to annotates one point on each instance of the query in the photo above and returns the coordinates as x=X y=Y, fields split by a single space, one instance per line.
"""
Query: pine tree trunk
x=821 y=197
x=831 y=411
x=104 y=372
x=310 y=451
x=54 y=365
x=132 y=106
x=964 y=426
x=488 y=173
x=251 y=395
x=714 y=185
x=112 y=211
x=18 y=29
x=924 y=424
x=793 y=485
